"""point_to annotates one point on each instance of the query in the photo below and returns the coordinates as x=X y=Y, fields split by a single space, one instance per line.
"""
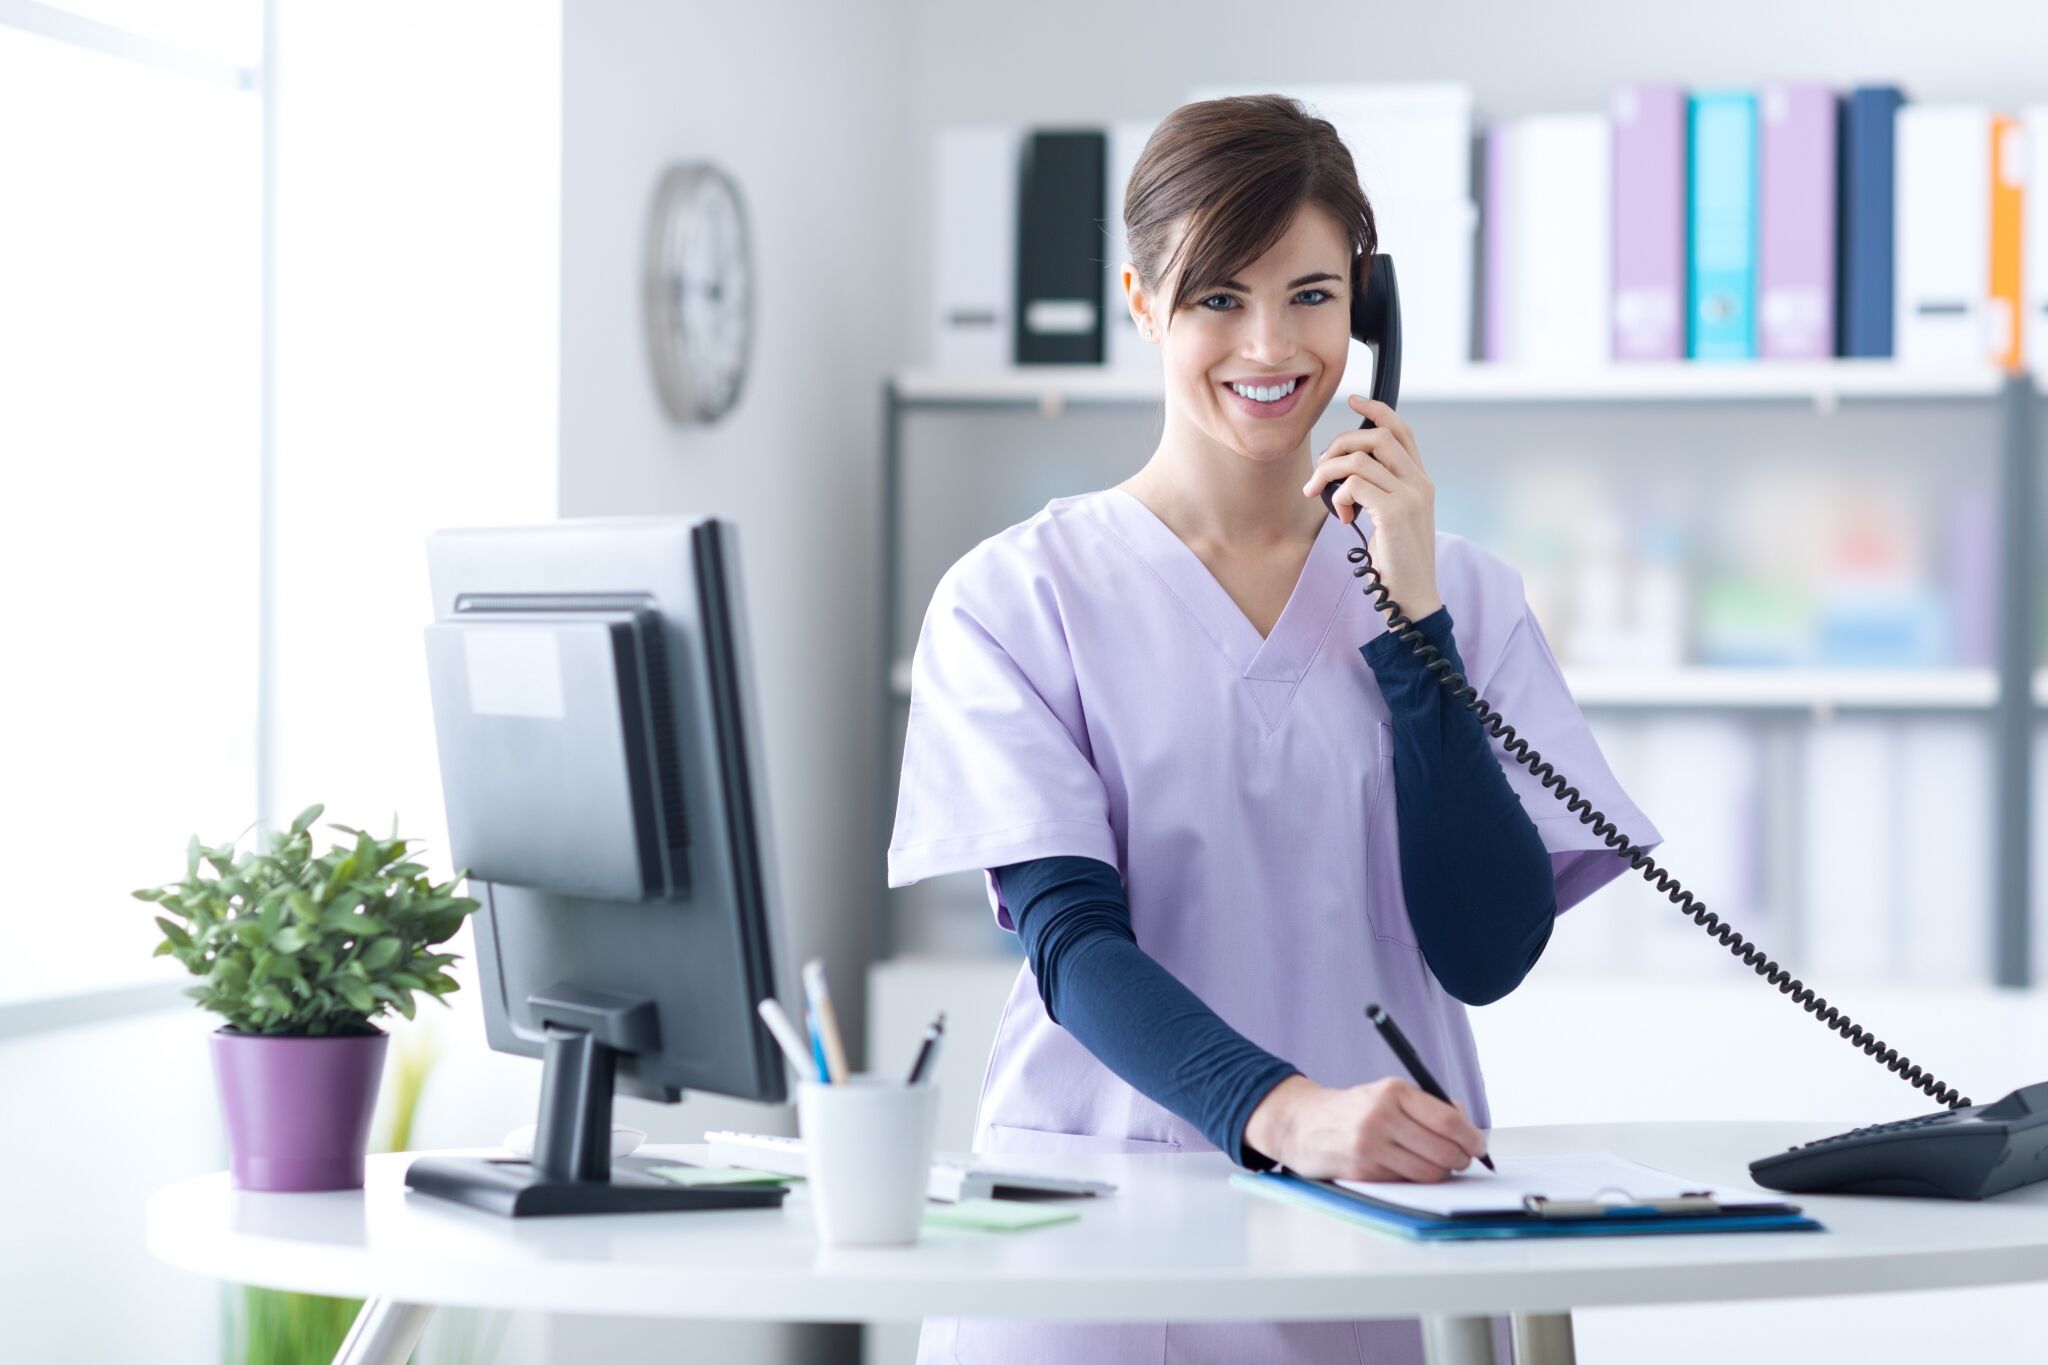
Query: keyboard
x=954 y=1177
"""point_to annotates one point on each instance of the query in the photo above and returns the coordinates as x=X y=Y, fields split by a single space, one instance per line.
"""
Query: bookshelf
x=2004 y=696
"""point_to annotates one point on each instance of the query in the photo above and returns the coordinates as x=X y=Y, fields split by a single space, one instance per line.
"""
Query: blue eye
x=1230 y=299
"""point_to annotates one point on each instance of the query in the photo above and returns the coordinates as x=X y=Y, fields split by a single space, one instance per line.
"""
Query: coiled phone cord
x=1752 y=956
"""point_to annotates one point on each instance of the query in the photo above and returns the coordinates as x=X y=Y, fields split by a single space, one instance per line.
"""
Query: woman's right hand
x=1385 y=1130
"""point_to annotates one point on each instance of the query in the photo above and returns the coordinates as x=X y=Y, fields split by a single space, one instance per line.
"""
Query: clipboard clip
x=1625 y=1205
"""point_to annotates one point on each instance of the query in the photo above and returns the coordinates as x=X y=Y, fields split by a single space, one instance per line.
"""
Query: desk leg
x=1449 y=1340
x=383 y=1333
x=1544 y=1339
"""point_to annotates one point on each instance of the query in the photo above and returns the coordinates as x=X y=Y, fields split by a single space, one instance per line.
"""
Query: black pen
x=927 y=1048
x=1384 y=1022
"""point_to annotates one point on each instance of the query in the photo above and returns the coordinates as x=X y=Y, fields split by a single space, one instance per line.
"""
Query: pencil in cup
x=826 y=1023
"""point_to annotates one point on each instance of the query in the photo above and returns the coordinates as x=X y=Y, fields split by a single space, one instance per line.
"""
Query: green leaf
x=174 y=933
x=149 y=893
x=250 y=933
x=341 y=919
x=357 y=994
x=192 y=856
x=380 y=954
x=306 y=818
x=289 y=939
x=303 y=907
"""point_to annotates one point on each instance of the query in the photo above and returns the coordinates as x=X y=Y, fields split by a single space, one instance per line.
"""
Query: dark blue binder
x=1864 y=255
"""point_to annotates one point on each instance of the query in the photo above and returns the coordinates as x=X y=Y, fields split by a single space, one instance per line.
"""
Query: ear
x=1138 y=301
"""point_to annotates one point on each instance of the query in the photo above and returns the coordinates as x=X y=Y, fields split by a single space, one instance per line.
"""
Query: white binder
x=1560 y=233
x=974 y=255
x=1942 y=193
x=1123 y=348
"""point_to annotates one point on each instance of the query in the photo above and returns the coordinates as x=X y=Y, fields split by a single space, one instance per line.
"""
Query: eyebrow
x=1291 y=284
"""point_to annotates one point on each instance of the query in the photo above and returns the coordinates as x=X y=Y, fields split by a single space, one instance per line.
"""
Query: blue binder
x=1863 y=219
x=1619 y=1220
x=1721 y=225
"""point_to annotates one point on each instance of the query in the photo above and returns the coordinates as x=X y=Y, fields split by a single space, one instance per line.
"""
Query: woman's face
x=1284 y=320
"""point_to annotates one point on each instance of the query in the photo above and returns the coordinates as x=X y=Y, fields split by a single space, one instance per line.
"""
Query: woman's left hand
x=1382 y=472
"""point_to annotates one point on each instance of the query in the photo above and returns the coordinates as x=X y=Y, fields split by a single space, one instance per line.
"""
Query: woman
x=1223 y=807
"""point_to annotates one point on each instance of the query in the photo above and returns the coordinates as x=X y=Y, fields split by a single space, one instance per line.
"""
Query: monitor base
x=515 y=1189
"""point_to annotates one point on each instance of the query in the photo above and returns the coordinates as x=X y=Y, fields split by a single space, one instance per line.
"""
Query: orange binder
x=2008 y=180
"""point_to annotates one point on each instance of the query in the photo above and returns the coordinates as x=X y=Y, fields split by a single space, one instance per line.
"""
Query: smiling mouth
x=1288 y=382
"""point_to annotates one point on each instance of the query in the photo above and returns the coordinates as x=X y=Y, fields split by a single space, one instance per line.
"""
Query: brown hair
x=1237 y=170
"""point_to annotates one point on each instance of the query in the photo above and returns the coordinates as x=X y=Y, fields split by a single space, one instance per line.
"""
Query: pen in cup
x=1398 y=1041
x=927 y=1049
x=825 y=1022
x=787 y=1038
x=818 y=1062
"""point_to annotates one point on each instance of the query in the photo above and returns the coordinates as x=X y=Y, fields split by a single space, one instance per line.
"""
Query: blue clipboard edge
x=1381 y=1218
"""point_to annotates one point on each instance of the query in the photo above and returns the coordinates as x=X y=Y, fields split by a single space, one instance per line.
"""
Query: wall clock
x=699 y=292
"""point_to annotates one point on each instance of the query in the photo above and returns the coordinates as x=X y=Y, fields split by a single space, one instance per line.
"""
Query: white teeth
x=1267 y=395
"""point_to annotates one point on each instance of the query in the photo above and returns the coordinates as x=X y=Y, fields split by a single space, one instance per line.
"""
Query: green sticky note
x=719 y=1175
x=996 y=1215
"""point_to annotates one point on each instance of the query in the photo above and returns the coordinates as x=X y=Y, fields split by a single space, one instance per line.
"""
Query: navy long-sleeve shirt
x=1474 y=871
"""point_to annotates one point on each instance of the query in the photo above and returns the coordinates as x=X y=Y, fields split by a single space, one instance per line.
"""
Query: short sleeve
x=996 y=767
x=1527 y=690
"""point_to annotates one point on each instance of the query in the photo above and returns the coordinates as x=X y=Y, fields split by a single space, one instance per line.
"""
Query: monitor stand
x=572 y=1169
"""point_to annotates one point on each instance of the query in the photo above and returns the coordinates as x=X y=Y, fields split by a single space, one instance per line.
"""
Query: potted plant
x=299 y=955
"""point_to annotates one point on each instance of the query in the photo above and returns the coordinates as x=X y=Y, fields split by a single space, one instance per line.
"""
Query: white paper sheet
x=1585 y=1175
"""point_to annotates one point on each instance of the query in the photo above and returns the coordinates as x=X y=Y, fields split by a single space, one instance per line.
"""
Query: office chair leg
x=383 y=1333
x=1452 y=1340
x=1544 y=1339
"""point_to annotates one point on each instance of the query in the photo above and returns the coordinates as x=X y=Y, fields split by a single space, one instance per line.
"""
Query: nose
x=1269 y=340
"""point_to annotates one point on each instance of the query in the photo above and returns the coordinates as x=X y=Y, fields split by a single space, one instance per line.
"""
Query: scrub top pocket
x=1386 y=906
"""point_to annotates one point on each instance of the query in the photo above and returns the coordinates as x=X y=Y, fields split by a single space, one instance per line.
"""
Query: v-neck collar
x=1273 y=666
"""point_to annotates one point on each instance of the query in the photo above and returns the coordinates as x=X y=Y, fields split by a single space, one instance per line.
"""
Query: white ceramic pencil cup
x=868 y=1143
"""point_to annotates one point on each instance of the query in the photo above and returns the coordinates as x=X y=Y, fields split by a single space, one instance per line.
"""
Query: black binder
x=1060 y=243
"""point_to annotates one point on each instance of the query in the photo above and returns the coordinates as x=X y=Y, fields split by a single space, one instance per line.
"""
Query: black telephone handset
x=1956 y=1159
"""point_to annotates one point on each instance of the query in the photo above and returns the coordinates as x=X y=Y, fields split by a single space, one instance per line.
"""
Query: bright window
x=130 y=324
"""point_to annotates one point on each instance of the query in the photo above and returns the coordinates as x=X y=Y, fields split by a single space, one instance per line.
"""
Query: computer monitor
x=594 y=714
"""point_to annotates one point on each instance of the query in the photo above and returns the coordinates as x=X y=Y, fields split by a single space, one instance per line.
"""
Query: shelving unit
x=2005 y=695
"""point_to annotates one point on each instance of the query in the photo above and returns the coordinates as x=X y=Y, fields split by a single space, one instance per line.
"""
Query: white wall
x=805 y=106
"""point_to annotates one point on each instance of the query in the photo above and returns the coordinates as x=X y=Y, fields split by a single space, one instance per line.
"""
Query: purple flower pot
x=297 y=1108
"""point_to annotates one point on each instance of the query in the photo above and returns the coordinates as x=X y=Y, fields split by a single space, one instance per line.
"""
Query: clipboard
x=1539 y=1217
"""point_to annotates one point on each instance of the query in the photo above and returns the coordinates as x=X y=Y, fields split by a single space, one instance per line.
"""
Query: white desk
x=1175 y=1242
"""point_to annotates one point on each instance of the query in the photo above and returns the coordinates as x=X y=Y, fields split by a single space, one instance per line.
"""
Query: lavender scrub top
x=1083 y=686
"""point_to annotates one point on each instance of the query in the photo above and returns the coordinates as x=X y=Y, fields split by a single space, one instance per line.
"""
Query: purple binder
x=1648 y=306
x=1495 y=286
x=1796 y=228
